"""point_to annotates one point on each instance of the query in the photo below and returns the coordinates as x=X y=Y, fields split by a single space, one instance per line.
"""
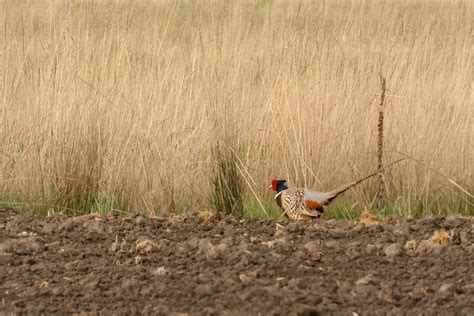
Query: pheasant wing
x=315 y=200
x=311 y=203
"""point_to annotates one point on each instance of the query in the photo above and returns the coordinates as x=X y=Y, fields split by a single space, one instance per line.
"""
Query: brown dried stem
x=381 y=190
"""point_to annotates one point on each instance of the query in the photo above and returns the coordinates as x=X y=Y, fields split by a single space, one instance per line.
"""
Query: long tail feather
x=333 y=194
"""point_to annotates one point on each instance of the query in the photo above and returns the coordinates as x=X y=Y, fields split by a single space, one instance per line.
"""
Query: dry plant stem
x=381 y=189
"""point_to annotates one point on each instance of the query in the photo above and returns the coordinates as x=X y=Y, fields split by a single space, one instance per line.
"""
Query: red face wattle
x=274 y=184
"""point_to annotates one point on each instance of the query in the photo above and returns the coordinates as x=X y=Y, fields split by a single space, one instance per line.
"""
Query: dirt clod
x=244 y=278
x=203 y=290
x=410 y=245
x=393 y=250
x=49 y=228
x=368 y=279
x=26 y=246
x=469 y=288
x=160 y=271
x=313 y=246
x=428 y=247
x=446 y=288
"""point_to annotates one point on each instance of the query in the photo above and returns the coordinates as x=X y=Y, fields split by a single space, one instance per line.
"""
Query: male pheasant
x=304 y=204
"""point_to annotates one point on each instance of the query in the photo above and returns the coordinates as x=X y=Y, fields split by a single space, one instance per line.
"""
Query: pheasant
x=304 y=204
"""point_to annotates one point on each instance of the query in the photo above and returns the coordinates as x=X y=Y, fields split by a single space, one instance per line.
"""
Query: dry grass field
x=149 y=106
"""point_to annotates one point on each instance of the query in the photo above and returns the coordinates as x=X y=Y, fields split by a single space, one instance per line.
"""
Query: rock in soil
x=227 y=266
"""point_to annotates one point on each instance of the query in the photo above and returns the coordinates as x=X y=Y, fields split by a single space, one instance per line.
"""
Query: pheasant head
x=278 y=185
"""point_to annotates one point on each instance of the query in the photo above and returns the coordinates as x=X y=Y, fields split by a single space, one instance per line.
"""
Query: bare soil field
x=204 y=265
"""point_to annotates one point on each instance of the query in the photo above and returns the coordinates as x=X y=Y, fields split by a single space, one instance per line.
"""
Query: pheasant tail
x=333 y=194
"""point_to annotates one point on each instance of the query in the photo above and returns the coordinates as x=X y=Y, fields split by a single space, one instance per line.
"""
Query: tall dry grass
x=119 y=105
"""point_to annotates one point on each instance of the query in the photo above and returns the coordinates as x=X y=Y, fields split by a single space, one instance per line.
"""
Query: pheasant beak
x=270 y=186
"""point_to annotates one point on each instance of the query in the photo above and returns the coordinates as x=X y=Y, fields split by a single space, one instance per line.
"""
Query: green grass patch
x=253 y=209
x=341 y=209
x=347 y=209
x=227 y=184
